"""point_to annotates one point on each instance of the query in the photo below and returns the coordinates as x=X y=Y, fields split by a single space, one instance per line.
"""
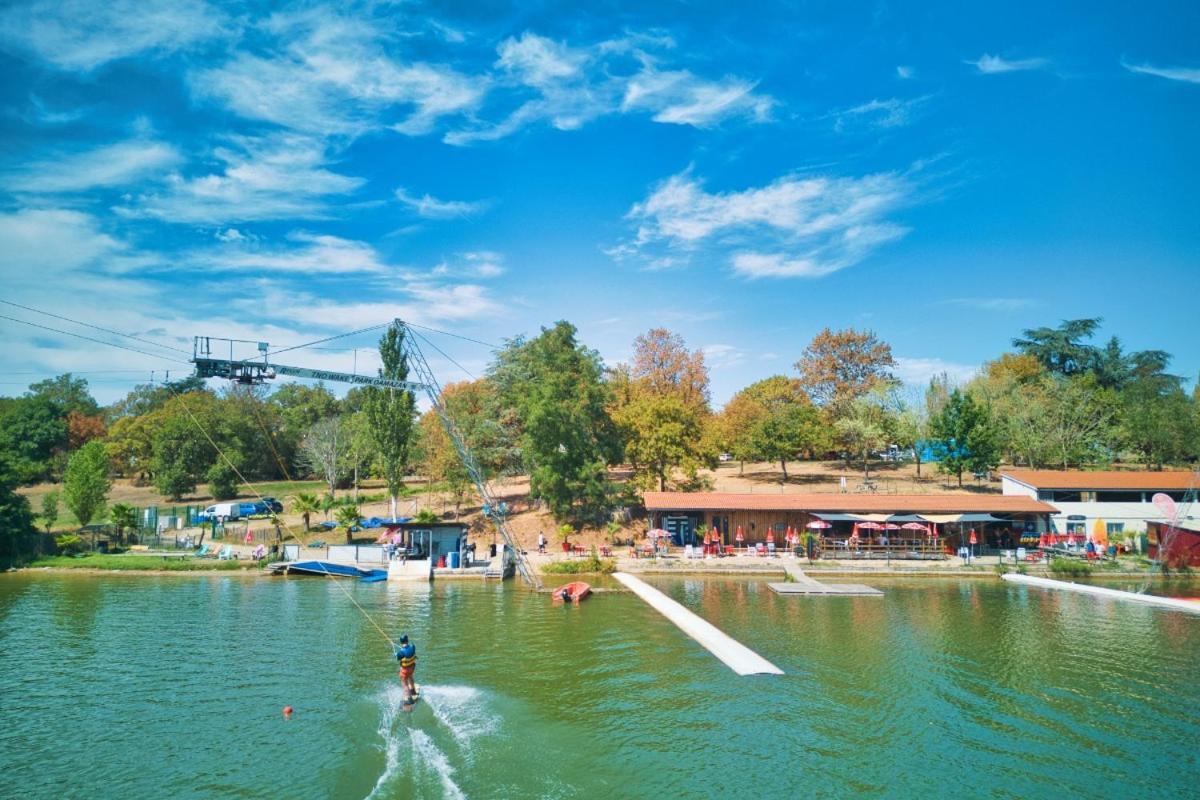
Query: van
x=221 y=511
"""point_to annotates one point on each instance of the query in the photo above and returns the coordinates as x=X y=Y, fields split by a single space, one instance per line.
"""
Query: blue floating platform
x=336 y=570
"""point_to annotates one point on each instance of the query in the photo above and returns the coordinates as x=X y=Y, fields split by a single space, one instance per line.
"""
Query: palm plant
x=124 y=517
x=347 y=517
x=305 y=504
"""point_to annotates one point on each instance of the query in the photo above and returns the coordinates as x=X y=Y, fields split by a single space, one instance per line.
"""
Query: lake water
x=135 y=686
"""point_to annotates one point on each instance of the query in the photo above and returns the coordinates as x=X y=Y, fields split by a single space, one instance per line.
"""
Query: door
x=680 y=529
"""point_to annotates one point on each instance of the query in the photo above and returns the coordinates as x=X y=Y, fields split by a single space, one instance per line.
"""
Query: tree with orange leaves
x=839 y=366
x=664 y=367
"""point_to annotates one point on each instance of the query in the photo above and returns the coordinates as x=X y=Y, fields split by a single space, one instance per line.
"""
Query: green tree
x=49 y=513
x=662 y=434
x=1061 y=350
x=18 y=538
x=962 y=436
x=305 y=504
x=222 y=481
x=392 y=413
x=788 y=431
x=555 y=386
x=326 y=449
x=347 y=516
x=864 y=427
x=32 y=430
x=1158 y=421
x=86 y=483
x=124 y=518
x=181 y=455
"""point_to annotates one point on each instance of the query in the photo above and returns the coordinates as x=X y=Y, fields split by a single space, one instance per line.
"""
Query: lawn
x=142 y=563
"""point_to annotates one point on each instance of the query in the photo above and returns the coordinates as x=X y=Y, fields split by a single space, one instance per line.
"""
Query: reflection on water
x=173 y=686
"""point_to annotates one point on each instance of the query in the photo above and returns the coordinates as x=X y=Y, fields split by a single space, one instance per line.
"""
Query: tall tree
x=963 y=437
x=733 y=428
x=666 y=368
x=182 y=453
x=325 y=449
x=864 y=426
x=783 y=423
x=556 y=387
x=1061 y=350
x=18 y=538
x=663 y=434
x=838 y=366
x=392 y=413
x=32 y=430
x=1158 y=421
x=86 y=483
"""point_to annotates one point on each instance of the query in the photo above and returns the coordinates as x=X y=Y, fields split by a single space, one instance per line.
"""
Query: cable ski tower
x=210 y=364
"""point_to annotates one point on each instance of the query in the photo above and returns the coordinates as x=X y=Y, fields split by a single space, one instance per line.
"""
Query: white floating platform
x=1189 y=606
x=814 y=588
x=737 y=656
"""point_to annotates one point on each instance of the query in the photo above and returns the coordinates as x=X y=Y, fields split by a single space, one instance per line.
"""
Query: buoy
x=287 y=711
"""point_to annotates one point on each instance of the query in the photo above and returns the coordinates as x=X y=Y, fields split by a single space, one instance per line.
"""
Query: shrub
x=425 y=517
x=590 y=565
x=69 y=544
x=1070 y=567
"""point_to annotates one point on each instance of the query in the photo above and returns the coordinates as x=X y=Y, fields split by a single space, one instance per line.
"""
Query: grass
x=1070 y=567
x=122 y=563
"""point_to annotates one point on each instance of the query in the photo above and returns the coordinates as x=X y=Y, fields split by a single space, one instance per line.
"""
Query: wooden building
x=1001 y=520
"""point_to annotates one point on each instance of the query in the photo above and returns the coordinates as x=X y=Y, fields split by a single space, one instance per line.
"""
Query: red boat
x=574 y=592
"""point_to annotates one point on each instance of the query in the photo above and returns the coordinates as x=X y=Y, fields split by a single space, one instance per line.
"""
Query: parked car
x=256 y=509
x=725 y=457
x=221 y=512
x=273 y=504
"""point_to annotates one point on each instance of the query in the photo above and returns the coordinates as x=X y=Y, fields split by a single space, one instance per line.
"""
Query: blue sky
x=944 y=174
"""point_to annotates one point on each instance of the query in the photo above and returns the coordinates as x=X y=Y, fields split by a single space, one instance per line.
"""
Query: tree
x=124 y=518
x=733 y=428
x=32 y=430
x=182 y=454
x=325 y=448
x=300 y=407
x=18 y=538
x=664 y=366
x=67 y=393
x=962 y=436
x=864 y=427
x=347 y=516
x=82 y=429
x=130 y=444
x=439 y=458
x=222 y=481
x=788 y=430
x=86 y=483
x=1158 y=421
x=305 y=504
x=555 y=386
x=662 y=434
x=837 y=367
x=1061 y=350
x=49 y=513
x=392 y=413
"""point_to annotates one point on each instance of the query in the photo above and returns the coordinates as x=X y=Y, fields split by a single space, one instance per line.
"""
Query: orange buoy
x=287 y=712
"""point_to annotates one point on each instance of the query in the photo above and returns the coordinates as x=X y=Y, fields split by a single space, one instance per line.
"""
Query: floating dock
x=1189 y=606
x=734 y=654
x=802 y=584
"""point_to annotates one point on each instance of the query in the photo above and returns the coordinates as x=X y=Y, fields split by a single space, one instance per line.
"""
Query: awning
x=942 y=519
x=838 y=517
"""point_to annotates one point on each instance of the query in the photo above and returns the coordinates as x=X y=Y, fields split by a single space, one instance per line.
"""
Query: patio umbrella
x=891 y=526
x=738 y=537
x=707 y=538
x=1100 y=533
x=656 y=533
x=1043 y=540
x=914 y=526
x=771 y=535
x=820 y=524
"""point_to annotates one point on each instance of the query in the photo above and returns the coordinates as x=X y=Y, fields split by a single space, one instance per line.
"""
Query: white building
x=1122 y=500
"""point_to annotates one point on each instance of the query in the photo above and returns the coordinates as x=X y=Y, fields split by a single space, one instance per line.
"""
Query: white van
x=221 y=512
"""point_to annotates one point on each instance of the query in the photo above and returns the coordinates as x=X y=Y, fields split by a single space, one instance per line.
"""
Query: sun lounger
x=226 y=553
x=203 y=551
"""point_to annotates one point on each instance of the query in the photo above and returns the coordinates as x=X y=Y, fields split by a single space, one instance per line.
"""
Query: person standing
x=406 y=654
x=541 y=542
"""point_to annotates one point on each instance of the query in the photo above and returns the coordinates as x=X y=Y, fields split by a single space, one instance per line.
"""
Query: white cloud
x=334 y=75
x=279 y=177
x=84 y=34
x=39 y=244
x=112 y=165
x=811 y=225
x=919 y=371
x=1185 y=74
x=722 y=356
x=904 y=72
x=573 y=85
x=994 y=65
x=679 y=97
x=474 y=264
x=311 y=254
x=891 y=113
x=430 y=207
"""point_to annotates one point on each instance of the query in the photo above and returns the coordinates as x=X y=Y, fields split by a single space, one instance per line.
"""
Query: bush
x=1070 y=567
x=590 y=565
x=69 y=544
x=425 y=517
x=222 y=481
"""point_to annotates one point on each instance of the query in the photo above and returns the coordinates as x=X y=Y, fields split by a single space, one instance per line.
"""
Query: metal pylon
x=433 y=390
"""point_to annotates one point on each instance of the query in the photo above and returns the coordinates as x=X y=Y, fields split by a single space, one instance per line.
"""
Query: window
x=1116 y=528
x=1120 y=497
x=1066 y=496
x=1076 y=527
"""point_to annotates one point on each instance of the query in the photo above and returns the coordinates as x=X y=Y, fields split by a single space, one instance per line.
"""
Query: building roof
x=1083 y=479
x=868 y=503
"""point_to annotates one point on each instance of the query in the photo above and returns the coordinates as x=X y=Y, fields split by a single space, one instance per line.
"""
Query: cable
x=91 y=339
x=443 y=353
x=97 y=327
x=455 y=335
x=327 y=339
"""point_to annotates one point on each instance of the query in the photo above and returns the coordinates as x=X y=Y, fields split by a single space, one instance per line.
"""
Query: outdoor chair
x=203 y=551
x=226 y=553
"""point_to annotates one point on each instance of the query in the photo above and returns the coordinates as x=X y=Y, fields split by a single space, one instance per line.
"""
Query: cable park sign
x=256 y=372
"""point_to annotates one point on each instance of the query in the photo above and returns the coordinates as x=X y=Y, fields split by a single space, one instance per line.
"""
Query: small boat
x=573 y=592
x=335 y=570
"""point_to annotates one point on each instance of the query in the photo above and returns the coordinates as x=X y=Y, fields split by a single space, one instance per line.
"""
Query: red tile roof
x=1083 y=479
x=849 y=503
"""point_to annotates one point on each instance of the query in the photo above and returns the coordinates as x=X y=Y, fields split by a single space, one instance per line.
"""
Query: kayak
x=574 y=592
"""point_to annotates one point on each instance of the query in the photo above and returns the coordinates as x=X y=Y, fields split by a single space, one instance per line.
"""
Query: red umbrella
x=973 y=539
x=891 y=526
x=707 y=538
x=657 y=533
x=738 y=537
x=914 y=526
x=820 y=524
x=1043 y=540
x=771 y=534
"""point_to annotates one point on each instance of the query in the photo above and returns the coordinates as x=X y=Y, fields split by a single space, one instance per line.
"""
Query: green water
x=134 y=686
